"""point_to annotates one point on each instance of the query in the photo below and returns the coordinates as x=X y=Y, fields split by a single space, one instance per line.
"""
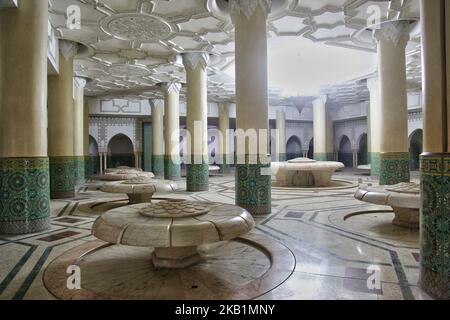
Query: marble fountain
x=140 y=189
x=173 y=250
x=304 y=172
x=124 y=174
x=404 y=198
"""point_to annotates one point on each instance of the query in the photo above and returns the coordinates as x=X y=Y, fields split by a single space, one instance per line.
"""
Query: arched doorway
x=362 y=150
x=415 y=149
x=120 y=152
x=345 y=154
x=94 y=160
x=293 y=148
x=311 y=149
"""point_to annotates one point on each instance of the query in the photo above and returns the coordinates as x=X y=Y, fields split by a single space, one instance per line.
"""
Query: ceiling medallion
x=136 y=27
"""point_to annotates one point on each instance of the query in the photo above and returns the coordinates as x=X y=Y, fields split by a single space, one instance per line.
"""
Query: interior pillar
x=224 y=143
x=281 y=135
x=88 y=163
x=197 y=120
x=392 y=38
x=24 y=165
x=172 y=170
x=78 y=130
x=323 y=135
x=253 y=179
x=158 y=137
x=435 y=161
x=374 y=132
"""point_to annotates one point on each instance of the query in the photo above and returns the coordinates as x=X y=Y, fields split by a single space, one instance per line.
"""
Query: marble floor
x=332 y=250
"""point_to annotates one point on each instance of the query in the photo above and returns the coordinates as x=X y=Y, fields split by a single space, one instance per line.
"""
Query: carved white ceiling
x=130 y=46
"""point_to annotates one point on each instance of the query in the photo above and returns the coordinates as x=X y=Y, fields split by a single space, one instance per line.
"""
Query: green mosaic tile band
x=253 y=190
x=435 y=225
x=24 y=195
x=197 y=177
x=329 y=156
x=172 y=169
x=394 y=168
x=282 y=157
x=62 y=177
x=374 y=160
x=158 y=165
x=79 y=170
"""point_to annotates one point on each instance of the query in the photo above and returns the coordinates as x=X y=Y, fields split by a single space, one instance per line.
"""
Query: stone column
x=281 y=135
x=88 y=161
x=172 y=170
x=158 y=137
x=392 y=38
x=100 y=158
x=24 y=165
x=197 y=120
x=374 y=126
x=323 y=134
x=435 y=161
x=224 y=144
x=253 y=180
x=61 y=125
x=78 y=130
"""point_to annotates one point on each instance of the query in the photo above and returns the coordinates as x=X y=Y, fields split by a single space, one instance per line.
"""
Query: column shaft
x=253 y=180
x=323 y=134
x=78 y=131
x=224 y=143
x=394 y=156
x=197 y=120
x=158 y=138
x=60 y=129
x=88 y=161
x=281 y=135
x=374 y=126
x=172 y=170
x=435 y=161
x=24 y=165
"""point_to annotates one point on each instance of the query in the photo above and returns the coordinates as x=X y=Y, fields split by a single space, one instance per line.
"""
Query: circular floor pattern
x=375 y=223
x=335 y=185
x=244 y=268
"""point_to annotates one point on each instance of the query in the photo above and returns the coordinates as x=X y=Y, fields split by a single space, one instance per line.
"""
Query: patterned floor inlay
x=334 y=258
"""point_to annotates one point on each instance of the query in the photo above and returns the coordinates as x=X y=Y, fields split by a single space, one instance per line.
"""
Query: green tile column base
x=79 y=170
x=282 y=157
x=88 y=168
x=62 y=177
x=158 y=165
x=197 y=177
x=394 y=168
x=374 y=160
x=329 y=156
x=172 y=169
x=24 y=195
x=253 y=190
x=225 y=168
x=435 y=225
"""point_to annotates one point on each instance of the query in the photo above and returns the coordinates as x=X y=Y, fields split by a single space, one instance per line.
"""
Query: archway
x=415 y=149
x=120 y=151
x=293 y=148
x=94 y=160
x=311 y=149
x=345 y=154
x=362 y=150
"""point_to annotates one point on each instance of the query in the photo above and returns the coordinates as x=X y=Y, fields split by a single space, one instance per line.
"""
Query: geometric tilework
x=24 y=195
x=172 y=169
x=197 y=177
x=79 y=170
x=394 y=168
x=158 y=165
x=62 y=177
x=374 y=160
x=253 y=190
x=435 y=225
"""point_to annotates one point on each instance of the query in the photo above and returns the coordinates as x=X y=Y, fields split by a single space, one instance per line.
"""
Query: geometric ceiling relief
x=131 y=46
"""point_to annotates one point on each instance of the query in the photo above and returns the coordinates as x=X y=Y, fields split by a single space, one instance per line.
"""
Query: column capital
x=171 y=87
x=396 y=32
x=80 y=82
x=68 y=49
x=156 y=103
x=192 y=60
x=248 y=7
x=321 y=98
